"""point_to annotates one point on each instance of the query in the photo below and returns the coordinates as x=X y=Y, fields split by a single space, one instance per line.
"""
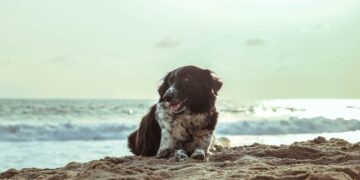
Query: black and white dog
x=183 y=121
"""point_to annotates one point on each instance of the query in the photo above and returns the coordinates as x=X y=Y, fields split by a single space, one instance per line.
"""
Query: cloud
x=168 y=42
x=254 y=42
x=5 y=63
x=314 y=28
x=59 y=59
x=63 y=61
x=317 y=27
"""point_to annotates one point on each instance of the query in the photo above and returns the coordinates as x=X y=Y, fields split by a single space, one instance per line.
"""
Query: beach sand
x=317 y=159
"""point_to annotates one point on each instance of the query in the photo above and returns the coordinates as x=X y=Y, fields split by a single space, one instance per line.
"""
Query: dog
x=183 y=121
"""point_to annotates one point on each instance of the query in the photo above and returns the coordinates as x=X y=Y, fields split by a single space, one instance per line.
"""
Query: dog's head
x=189 y=87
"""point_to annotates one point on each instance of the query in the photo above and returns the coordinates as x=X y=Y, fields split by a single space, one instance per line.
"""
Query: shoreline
x=314 y=159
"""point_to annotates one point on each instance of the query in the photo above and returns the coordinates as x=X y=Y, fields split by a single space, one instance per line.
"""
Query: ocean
x=51 y=133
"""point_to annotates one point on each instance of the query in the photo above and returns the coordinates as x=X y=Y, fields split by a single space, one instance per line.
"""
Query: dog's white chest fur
x=185 y=131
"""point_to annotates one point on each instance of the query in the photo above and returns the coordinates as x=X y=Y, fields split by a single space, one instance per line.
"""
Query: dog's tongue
x=175 y=107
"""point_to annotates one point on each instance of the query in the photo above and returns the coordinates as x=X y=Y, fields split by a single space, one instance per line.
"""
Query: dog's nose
x=168 y=96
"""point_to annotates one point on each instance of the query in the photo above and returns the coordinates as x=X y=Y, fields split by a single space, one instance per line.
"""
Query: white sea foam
x=111 y=131
x=287 y=126
x=64 y=132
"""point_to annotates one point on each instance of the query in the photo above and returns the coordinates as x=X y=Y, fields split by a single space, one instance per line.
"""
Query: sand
x=317 y=159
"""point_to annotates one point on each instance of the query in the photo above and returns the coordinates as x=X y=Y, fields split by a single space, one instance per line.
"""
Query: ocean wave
x=70 y=109
x=107 y=131
x=63 y=132
x=292 y=125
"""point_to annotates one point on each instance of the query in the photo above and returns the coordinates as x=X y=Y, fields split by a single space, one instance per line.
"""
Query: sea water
x=51 y=133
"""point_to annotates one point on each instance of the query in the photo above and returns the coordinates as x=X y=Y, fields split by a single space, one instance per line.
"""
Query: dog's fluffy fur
x=183 y=121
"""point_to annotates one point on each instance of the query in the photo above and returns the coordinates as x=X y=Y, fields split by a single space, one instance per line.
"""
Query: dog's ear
x=164 y=85
x=213 y=82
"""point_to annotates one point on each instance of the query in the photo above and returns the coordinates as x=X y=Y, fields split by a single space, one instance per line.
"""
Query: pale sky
x=262 y=49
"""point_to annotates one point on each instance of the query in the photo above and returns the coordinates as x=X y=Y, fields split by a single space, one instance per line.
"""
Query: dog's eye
x=171 y=80
x=186 y=80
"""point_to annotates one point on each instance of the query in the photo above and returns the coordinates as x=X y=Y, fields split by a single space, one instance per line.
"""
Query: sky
x=273 y=49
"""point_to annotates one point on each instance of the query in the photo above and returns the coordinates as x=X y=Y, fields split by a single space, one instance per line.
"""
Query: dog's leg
x=202 y=144
x=181 y=155
x=166 y=148
x=167 y=143
x=198 y=154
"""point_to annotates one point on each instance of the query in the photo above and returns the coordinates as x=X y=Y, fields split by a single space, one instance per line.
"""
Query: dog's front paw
x=198 y=154
x=166 y=153
x=180 y=155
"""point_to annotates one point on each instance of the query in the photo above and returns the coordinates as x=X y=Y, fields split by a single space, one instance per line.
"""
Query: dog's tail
x=132 y=142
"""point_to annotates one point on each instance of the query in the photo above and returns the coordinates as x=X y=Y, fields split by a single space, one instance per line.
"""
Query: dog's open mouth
x=177 y=107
